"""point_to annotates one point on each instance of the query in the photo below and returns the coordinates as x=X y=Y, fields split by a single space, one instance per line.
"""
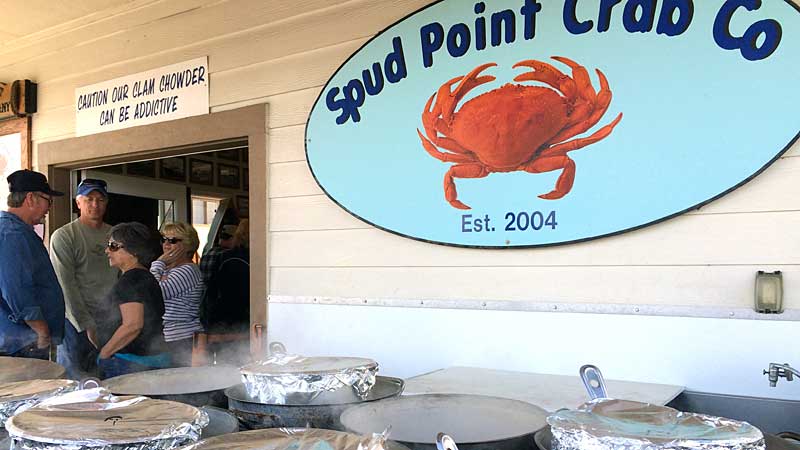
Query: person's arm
x=42 y=331
x=132 y=324
x=62 y=255
x=18 y=288
x=181 y=279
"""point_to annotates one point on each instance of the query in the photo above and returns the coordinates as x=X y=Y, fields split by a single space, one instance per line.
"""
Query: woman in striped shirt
x=182 y=286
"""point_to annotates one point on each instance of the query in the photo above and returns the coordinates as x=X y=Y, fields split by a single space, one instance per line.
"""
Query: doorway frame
x=177 y=137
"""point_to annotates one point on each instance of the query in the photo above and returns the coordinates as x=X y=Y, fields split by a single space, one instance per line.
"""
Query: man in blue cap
x=31 y=302
x=77 y=251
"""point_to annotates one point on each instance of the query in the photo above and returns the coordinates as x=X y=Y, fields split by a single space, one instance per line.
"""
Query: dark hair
x=139 y=240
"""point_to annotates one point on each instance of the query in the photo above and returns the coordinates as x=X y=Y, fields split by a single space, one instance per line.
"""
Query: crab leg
x=469 y=82
x=575 y=144
x=549 y=164
x=462 y=157
x=603 y=100
x=547 y=74
x=473 y=170
x=581 y=77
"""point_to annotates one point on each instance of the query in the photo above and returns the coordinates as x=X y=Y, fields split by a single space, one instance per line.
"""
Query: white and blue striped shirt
x=183 y=289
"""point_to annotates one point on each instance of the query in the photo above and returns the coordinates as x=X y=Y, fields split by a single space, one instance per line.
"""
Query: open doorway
x=164 y=145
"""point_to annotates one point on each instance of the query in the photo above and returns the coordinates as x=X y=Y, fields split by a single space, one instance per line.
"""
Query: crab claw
x=469 y=82
x=547 y=74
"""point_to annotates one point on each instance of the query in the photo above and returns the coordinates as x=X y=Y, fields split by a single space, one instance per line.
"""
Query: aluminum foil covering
x=292 y=439
x=621 y=424
x=283 y=378
x=21 y=395
x=97 y=420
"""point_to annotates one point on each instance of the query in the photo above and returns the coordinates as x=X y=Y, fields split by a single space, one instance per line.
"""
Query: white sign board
x=159 y=95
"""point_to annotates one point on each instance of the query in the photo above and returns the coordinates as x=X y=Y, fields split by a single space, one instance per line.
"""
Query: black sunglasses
x=114 y=246
x=172 y=241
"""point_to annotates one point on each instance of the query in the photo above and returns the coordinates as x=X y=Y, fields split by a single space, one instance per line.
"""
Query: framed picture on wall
x=228 y=176
x=201 y=172
x=174 y=169
x=15 y=150
x=243 y=206
x=141 y=169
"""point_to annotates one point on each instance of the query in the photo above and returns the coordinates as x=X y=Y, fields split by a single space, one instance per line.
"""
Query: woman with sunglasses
x=129 y=330
x=182 y=286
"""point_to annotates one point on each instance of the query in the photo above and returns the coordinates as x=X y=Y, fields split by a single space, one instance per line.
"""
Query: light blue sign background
x=698 y=121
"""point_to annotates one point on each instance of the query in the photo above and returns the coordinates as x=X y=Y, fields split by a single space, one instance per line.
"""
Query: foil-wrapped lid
x=282 y=375
x=21 y=369
x=23 y=390
x=177 y=381
x=610 y=423
x=94 y=417
x=294 y=439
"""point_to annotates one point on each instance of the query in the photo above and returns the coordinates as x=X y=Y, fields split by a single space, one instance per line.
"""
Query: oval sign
x=521 y=123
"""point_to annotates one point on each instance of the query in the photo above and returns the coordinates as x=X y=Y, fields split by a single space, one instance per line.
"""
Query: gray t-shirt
x=78 y=255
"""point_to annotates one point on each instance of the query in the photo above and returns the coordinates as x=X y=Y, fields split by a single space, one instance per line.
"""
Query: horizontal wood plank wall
x=281 y=52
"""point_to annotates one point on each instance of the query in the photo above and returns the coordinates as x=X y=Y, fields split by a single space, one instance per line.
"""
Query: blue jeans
x=115 y=366
x=77 y=354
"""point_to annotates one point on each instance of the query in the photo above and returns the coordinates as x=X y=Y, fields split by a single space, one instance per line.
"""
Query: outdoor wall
x=282 y=52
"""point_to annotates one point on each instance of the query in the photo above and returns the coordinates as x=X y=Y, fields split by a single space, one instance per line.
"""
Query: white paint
x=712 y=355
x=158 y=95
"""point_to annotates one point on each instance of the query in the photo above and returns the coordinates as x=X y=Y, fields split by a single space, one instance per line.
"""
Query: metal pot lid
x=292 y=439
x=635 y=424
x=93 y=418
x=302 y=365
x=468 y=419
x=384 y=387
x=21 y=369
x=182 y=380
x=22 y=390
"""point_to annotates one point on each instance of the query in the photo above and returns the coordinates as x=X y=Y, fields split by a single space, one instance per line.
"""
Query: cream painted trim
x=717 y=312
x=168 y=139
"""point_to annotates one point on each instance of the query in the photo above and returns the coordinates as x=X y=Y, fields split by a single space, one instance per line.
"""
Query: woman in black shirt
x=130 y=333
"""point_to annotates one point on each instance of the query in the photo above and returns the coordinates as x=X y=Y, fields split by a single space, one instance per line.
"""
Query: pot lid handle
x=593 y=380
x=445 y=442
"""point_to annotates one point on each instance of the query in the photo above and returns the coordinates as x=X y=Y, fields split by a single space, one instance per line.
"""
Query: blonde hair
x=186 y=232
x=241 y=237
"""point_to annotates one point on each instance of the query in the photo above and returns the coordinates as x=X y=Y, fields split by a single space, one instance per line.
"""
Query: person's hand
x=104 y=354
x=173 y=254
x=43 y=341
x=91 y=334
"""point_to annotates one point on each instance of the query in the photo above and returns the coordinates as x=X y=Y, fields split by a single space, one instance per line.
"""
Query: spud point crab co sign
x=522 y=123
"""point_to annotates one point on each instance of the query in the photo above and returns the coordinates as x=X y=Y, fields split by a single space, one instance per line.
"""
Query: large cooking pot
x=289 y=439
x=544 y=441
x=220 y=421
x=321 y=412
x=475 y=422
x=23 y=369
x=197 y=386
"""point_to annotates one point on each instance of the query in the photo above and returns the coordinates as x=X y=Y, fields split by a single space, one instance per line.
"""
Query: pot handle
x=277 y=347
x=89 y=383
x=593 y=380
x=445 y=442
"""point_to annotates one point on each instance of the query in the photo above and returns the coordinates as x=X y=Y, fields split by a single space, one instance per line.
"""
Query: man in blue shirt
x=31 y=302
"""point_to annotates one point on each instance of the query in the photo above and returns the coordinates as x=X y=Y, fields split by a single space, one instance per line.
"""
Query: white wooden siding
x=281 y=52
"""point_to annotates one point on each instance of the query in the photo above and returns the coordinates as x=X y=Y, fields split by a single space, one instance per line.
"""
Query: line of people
x=115 y=300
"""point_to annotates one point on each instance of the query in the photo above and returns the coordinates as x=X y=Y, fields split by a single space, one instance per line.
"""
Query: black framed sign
x=228 y=176
x=174 y=169
x=201 y=172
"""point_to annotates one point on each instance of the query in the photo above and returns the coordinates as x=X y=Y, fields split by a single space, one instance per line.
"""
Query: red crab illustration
x=515 y=127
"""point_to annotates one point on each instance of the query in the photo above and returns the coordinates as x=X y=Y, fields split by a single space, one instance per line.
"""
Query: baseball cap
x=29 y=181
x=92 y=184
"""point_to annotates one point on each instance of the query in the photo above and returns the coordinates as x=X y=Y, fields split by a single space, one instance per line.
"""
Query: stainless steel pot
x=220 y=421
x=475 y=422
x=322 y=412
x=196 y=386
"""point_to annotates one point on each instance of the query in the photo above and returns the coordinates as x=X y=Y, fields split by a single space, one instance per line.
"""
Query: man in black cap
x=77 y=251
x=31 y=302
